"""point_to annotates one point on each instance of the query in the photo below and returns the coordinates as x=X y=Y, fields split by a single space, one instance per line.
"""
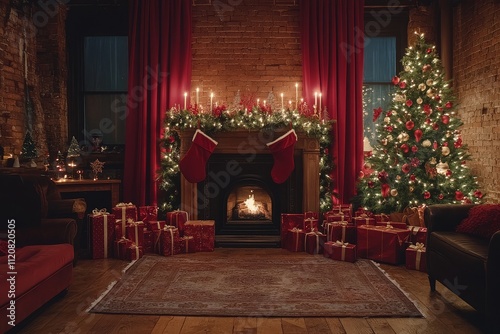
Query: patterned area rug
x=272 y=285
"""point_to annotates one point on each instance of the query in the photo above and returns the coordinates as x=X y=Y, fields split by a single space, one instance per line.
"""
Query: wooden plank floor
x=444 y=312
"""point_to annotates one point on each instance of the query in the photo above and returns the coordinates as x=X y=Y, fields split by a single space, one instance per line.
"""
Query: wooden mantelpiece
x=243 y=141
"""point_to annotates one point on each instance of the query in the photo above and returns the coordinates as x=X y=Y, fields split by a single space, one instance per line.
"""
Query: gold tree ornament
x=96 y=167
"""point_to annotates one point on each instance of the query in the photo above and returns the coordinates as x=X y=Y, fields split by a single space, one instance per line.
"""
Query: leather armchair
x=468 y=266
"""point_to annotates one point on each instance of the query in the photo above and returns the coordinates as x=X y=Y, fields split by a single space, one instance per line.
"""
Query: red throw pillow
x=483 y=221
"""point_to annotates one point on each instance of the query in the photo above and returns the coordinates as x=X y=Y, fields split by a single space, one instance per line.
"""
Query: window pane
x=106 y=63
x=105 y=114
x=380 y=59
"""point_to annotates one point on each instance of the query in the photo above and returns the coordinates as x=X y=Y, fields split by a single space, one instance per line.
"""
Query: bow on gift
x=98 y=212
x=344 y=246
x=419 y=247
x=389 y=226
x=124 y=204
x=315 y=233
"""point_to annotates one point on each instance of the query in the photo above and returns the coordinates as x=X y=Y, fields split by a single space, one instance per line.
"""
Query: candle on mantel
x=258 y=102
x=282 y=104
x=211 y=100
x=315 y=100
x=185 y=100
x=264 y=103
x=320 y=108
x=290 y=104
x=296 y=96
x=197 y=96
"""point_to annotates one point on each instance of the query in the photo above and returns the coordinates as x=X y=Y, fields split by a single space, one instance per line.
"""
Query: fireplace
x=239 y=193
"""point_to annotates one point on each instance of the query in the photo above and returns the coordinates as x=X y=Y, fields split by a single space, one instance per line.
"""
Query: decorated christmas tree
x=419 y=157
x=73 y=149
x=28 y=151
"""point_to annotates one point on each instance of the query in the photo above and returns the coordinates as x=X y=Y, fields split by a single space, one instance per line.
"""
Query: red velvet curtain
x=332 y=60
x=159 y=74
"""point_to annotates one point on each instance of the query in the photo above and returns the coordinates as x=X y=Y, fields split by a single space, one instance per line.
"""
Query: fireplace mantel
x=242 y=141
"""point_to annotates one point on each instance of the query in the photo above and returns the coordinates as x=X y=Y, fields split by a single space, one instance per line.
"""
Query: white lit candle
x=290 y=104
x=197 y=96
x=211 y=100
x=258 y=102
x=264 y=103
x=315 y=99
x=185 y=100
x=282 y=104
x=320 y=109
x=296 y=96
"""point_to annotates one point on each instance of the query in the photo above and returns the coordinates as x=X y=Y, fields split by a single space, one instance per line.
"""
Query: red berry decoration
x=405 y=148
x=414 y=148
x=427 y=109
x=429 y=50
x=413 y=177
x=478 y=194
x=395 y=80
x=371 y=184
x=441 y=196
x=458 y=143
x=402 y=85
x=427 y=195
x=382 y=176
x=409 y=103
x=410 y=125
x=389 y=128
x=448 y=173
x=459 y=195
x=437 y=98
x=448 y=104
x=445 y=119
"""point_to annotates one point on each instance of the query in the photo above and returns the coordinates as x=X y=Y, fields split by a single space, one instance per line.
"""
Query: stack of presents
x=347 y=236
x=128 y=232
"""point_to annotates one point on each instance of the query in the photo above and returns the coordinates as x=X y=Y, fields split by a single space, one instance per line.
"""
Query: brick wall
x=248 y=45
x=476 y=83
x=22 y=42
x=423 y=20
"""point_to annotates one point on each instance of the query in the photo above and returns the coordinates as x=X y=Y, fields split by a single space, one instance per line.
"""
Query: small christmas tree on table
x=420 y=157
x=28 y=151
x=73 y=154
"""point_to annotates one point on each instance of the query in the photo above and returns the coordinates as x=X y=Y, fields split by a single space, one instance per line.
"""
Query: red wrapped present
x=416 y=258
x=148 y=244
x=393 y=224
x=134 y=252
x=381 y=243
x=381 y=217
x=310 y=224
x=360 y=212
x=120 y=248
x=311 y=214
x=337 y=217
x=418 y=234
x=169 y=241
x=364 y=220
x=121 y=228
x=342 y=231
x=295 y=240
x=314 y=242
x=148 y=213
x=340 y=251
x=135 y=232
x=102 y=225
x=187 y=244
x=156 y=225
x=203 y=232
x=345 y=209
x=125 y=211
x=178 y=219
x=288 y=222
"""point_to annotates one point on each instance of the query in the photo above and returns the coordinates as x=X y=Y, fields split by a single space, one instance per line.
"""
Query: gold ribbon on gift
x=186 y=239
x=102 y=212
x=310 y=221
x=388 y=225
x=135 y=225
x=171 y=230
x=296 y=231
x=343 y=245
x=98 y=212
x=136 y=248
x=420 y=248
x=123 y=206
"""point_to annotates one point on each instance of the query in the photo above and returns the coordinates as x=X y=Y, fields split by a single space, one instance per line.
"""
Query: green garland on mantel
x=256 y=119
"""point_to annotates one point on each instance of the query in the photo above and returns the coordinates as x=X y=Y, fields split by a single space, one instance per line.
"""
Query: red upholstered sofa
x=44 y=247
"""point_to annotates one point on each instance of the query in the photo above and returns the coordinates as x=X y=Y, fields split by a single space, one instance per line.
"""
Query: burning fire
x=250 y=203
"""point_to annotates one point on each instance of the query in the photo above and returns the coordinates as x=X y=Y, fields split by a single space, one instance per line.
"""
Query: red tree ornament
x=427 y=195
x=385 y=190
x=418 y=135
x=414 y=149
x=441 y=196
x=410 y=124
x=402 y=85
x=395 y=80
x=459 y=195
x=449 y=104
x=405 y=148
x=445 y=119
x=409 y=103
x=413 y=177
x=406 y=168
x=427 y=109
x=435 y=126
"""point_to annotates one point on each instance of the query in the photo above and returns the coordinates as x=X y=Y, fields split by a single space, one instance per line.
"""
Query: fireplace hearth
x=239 y=193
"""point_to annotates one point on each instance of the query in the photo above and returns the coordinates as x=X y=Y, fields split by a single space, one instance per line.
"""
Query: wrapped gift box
x=169 y=241
x=148 y=213
x=148 y=244
x=360 y=212
x=342 y=231
x=121 y=228
x=416 y=257
x=309 y=224
x=381 y=217
x=314 y=242
x=125 y=211
x=288 y=222
x=382 y=244
x=187 y=244
x=337 y=217
x=156 y=225
x=345 y=209
x=178 y=219
x=203 y=232
x=135 y=232
x=363 y=220
x=393 y=224
x=295 y=240
x=311 y=214
x=102 y=225
x=340 y=251
x=418 y=234
x=120 y=248
x=134 y=252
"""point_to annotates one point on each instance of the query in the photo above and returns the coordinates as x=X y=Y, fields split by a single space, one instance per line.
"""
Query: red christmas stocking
x=193 y=164
x=282 y=150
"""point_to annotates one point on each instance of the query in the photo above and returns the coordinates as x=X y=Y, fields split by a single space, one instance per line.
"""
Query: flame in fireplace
x=250 y=203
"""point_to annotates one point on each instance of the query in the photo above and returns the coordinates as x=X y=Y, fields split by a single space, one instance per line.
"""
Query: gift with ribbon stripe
x=134 y=252
x=314 y=242
x=340 y=251
x=135 y=232
x=295 y=240
x=416 y=257
x=382 y=244
x=102 y=225
x=169 y=241
x=148 y=213
x=125 y=211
